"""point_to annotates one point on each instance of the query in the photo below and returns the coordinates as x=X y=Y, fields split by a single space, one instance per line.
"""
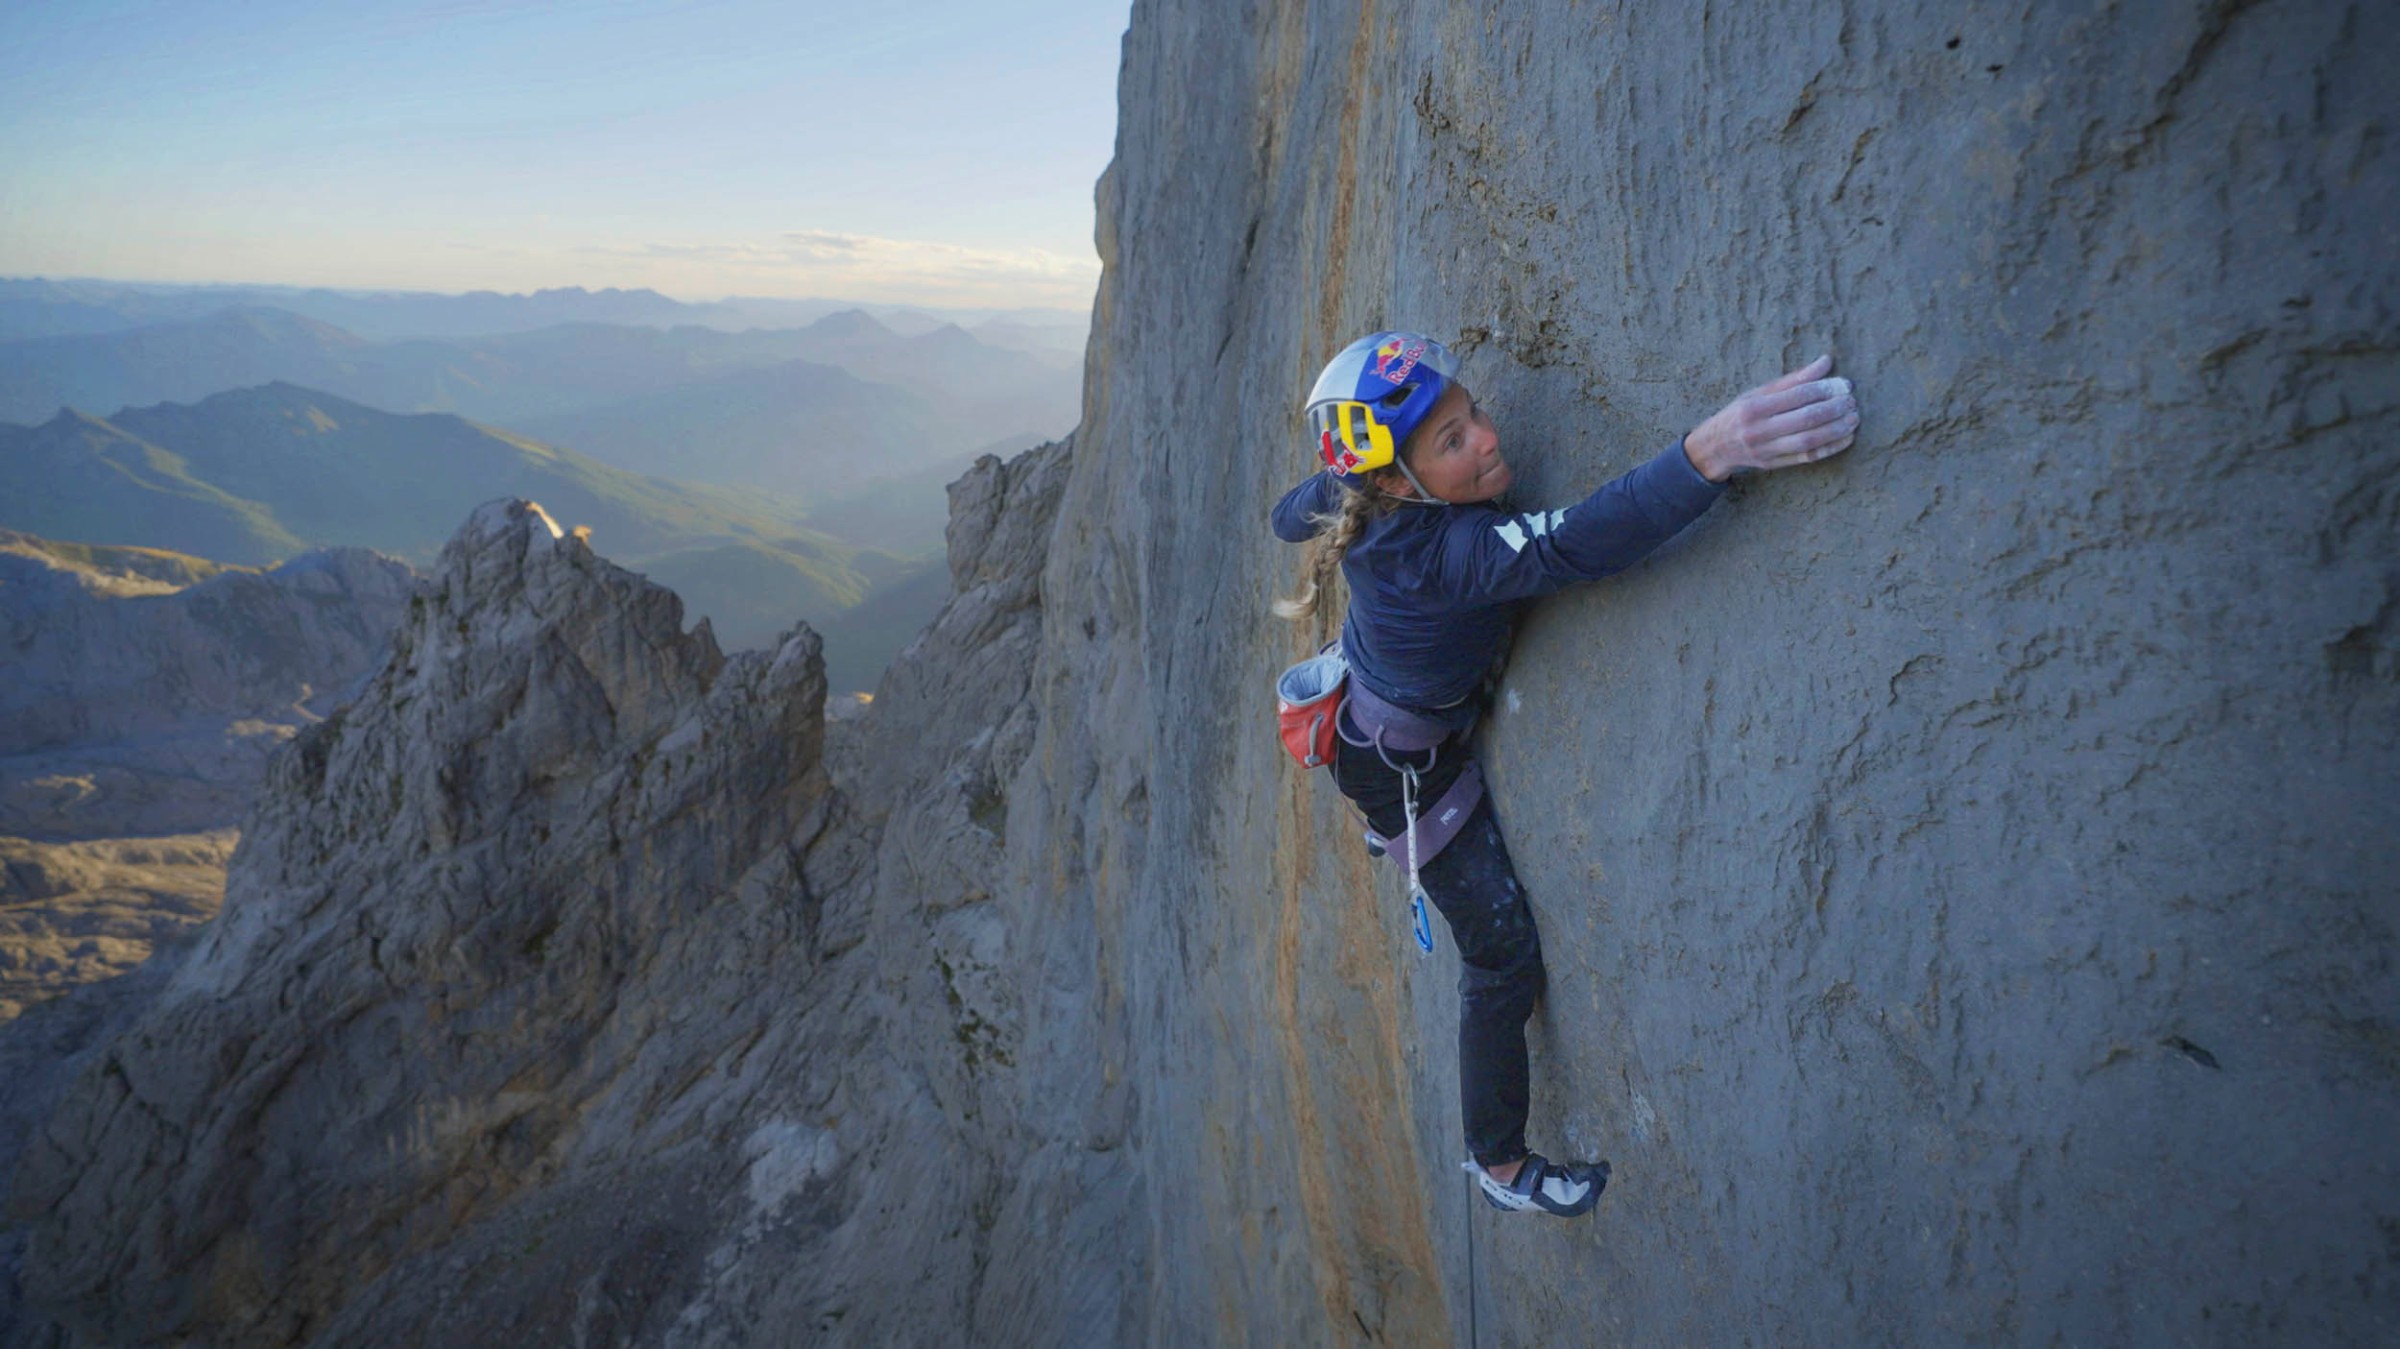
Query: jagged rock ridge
x=442 y=896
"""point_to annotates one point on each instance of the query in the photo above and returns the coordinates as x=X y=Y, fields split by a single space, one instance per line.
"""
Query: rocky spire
x=515 y=890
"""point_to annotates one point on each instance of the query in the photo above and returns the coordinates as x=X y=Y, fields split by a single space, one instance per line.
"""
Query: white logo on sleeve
x=1516 y=535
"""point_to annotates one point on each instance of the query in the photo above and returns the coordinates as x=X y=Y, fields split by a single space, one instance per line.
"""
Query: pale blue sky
x=934 y=151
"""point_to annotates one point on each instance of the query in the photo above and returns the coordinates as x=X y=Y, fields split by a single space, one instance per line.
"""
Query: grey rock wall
x=1967 y=868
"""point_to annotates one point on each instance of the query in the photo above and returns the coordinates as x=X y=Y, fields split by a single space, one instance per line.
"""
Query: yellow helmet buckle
x=1365 y=444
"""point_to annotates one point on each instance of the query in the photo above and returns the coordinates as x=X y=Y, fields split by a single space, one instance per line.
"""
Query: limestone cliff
x=1966 y=868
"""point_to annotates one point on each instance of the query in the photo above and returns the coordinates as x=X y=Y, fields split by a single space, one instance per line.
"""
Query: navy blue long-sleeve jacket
x=1433 y=589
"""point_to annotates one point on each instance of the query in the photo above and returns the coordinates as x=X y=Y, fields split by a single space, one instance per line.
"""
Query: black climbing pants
x=1500 y=954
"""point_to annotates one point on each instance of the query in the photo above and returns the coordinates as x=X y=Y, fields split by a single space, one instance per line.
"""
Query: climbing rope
x=1474 y=1333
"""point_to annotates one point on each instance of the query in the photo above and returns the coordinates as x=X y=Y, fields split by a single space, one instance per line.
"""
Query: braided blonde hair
x=1336 y=531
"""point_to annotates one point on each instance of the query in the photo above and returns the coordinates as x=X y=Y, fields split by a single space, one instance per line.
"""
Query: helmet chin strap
x=1422 y=495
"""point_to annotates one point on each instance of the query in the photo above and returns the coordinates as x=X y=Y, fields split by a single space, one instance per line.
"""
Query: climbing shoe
x=1546 y=1186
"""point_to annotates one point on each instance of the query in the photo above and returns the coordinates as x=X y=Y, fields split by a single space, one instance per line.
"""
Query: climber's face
x=1456 y=453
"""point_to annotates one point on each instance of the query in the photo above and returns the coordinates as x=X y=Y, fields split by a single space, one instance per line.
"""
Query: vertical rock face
x=1965 y=868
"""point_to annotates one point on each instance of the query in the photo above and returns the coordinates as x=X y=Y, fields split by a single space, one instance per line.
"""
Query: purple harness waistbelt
x=1390 y=725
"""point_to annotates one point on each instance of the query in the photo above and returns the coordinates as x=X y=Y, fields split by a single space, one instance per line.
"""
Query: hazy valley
x=768 y=474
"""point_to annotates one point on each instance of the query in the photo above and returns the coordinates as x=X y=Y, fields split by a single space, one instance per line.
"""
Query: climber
x=1408 y=507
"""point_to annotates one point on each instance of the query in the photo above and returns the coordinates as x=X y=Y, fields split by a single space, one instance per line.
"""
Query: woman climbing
x=1408 y=509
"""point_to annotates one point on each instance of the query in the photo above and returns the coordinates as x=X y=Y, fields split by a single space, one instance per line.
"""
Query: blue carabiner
x=1423 y=925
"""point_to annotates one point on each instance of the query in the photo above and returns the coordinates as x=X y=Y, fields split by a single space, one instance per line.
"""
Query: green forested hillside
x=78 y=477
x=862 y=639
x=852 y=470
x=329 y=470
x=753 y=592
x=908 y=514
x=114 y=566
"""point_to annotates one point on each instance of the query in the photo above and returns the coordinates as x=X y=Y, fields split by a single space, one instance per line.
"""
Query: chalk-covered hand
x=1798 y=419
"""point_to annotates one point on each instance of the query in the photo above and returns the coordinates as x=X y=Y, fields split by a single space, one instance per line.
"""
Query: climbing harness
x=1310 y=698
x=1387 y=728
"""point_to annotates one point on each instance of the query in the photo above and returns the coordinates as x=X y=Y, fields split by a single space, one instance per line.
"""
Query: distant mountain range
x=772 y=460
x=821 y=408
x=908 y=514
x=38 y=307
x=862 y=640
x=34 y=307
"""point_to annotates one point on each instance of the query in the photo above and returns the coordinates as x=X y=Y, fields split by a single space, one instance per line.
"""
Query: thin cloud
x=926 y=271
x=824 y=240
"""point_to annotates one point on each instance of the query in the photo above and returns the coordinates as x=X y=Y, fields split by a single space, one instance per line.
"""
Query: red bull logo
x=1337 y=456
x=1396 y=358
